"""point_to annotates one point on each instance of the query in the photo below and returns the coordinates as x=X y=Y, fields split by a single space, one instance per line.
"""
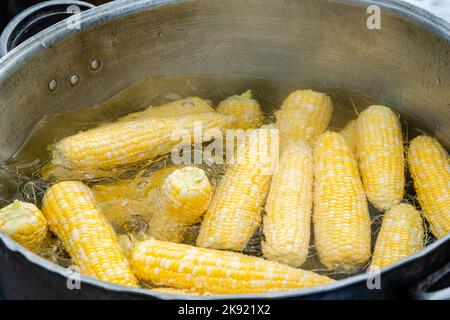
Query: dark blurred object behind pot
x=10 y=8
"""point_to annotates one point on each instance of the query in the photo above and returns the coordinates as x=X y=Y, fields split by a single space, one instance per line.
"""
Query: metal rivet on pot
x=52 y=84
x=95 y=65
x=74 y=79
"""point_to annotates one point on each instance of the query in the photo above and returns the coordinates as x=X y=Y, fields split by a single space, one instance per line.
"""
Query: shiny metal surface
x=315 y=43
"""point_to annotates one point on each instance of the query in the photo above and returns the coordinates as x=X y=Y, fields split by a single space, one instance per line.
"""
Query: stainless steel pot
x=406 y=63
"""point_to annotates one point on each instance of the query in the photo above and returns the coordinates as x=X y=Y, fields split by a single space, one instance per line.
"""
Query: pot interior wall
x=315 y=43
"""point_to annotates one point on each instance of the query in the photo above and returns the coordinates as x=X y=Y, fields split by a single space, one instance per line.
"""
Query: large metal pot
x=321 y=42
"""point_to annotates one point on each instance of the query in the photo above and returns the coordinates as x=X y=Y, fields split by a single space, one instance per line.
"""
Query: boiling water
x=20 y=176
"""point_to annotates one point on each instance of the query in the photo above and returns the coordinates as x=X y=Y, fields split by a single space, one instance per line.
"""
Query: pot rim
x=121 y=8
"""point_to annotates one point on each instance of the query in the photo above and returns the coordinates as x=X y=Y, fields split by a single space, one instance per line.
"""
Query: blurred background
x=10 y=8
x=441 y=8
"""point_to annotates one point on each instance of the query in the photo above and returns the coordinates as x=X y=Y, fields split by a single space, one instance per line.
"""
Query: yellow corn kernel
x=430 y=168
x=180 y=202
x=381 y=156
x=304 y=115
x=217 y=272
x=349 y=133
x=24 y=223
x=125 y=202
x=132 y=140
x=235 y=211
x=400 y=236
x=245 y=110
x=73 y=216
x=288 y=207
x=341 y=216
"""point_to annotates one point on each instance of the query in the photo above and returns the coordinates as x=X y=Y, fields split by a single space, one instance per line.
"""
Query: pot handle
x=37 y=18
x=423 y=290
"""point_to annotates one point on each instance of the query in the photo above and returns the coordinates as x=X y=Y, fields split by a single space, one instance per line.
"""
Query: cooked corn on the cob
x=381 y=156
x=218 y=272
x=401 y=235
x=235 y=211
x=288 y=207
x=244 y=109
x=89 y=239
x=304 y=115
x=188 y=106
x=132 y=139
x=430 y=168
x=180 y=202
x=24 y=223
x=341 y=216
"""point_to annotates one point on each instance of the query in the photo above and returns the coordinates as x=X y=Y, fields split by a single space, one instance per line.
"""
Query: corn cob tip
x=304 y=115
x=181 y=202
x=247 y=94
x=245 y=110
x=24 y=223
x=188 y=187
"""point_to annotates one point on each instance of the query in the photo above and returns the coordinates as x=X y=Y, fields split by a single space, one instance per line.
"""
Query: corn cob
x=125 y=202
x=401 y=235
x=341 y=216
x=89 y=239
x=132 y=139
x=430 y=168
x=217 y=272
x=24 y=223
x=288 y=207
x=304 y=115
x=244 y=109
x=381 y=158
x=235 y=211
x=187 y=106
x=349 y=133
x=180 y=202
